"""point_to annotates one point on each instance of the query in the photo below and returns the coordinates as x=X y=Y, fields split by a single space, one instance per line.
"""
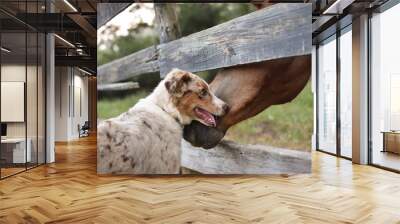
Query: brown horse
x=248 y=90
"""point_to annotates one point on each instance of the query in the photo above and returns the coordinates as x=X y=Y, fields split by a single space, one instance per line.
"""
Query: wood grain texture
x=69 y=191
x=107 y=11
x=279 y=31
x=232 y=158
x=141 y=62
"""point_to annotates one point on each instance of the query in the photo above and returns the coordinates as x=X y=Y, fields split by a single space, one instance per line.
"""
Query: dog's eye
x=203 y=93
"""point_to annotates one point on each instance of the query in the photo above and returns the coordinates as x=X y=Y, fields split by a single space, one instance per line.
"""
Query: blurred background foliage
x=289 y=125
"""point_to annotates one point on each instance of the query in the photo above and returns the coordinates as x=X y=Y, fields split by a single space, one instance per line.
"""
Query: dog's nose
x=225 y=108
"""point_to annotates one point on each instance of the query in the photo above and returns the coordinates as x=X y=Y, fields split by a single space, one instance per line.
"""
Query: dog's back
x=143 y=140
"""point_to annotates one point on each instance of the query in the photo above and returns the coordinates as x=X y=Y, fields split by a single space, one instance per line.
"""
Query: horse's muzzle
x=200 y=135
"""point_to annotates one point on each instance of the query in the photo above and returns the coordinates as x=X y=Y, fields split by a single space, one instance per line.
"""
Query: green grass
x=112 y=107
x=289 y=125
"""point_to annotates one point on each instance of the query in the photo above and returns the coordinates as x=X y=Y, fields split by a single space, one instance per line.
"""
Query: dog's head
x=193 y=99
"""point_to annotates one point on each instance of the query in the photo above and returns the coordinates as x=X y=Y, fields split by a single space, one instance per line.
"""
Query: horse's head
x=248 y=90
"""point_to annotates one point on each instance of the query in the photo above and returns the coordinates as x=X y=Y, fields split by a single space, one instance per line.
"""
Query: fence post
x=167 y=22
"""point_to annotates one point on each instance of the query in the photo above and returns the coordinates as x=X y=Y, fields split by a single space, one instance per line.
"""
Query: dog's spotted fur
x=147 y=138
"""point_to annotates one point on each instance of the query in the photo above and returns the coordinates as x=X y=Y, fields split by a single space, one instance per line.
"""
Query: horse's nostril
x=226 y=108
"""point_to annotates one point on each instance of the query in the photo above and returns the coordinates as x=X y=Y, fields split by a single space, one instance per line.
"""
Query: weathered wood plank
x=278 y=31
x=118 y=86
x=144 y=61
x=107 y=11
x=233 y=158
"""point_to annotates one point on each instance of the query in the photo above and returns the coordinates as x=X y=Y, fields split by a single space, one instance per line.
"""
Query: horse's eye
x=203 y=93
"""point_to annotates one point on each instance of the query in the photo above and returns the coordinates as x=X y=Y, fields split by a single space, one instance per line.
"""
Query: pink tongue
x=206 y=116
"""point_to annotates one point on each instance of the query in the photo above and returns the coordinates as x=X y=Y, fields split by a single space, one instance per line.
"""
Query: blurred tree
x=194 y=17
x=236 y=10
x=125 y=45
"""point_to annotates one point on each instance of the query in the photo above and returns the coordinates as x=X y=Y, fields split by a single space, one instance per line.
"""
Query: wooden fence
x=279 y=31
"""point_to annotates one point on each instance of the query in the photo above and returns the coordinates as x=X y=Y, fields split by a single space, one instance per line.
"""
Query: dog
x=147 y=138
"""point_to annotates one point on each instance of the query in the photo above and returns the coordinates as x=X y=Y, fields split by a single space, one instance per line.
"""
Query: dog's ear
x=177 y=84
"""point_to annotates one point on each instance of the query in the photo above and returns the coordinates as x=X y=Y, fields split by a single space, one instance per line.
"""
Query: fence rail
x=123 y=86
x=141 y=62
x=232 y=158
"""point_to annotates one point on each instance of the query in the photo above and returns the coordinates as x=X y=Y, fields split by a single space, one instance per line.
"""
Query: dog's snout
x=225 y=108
